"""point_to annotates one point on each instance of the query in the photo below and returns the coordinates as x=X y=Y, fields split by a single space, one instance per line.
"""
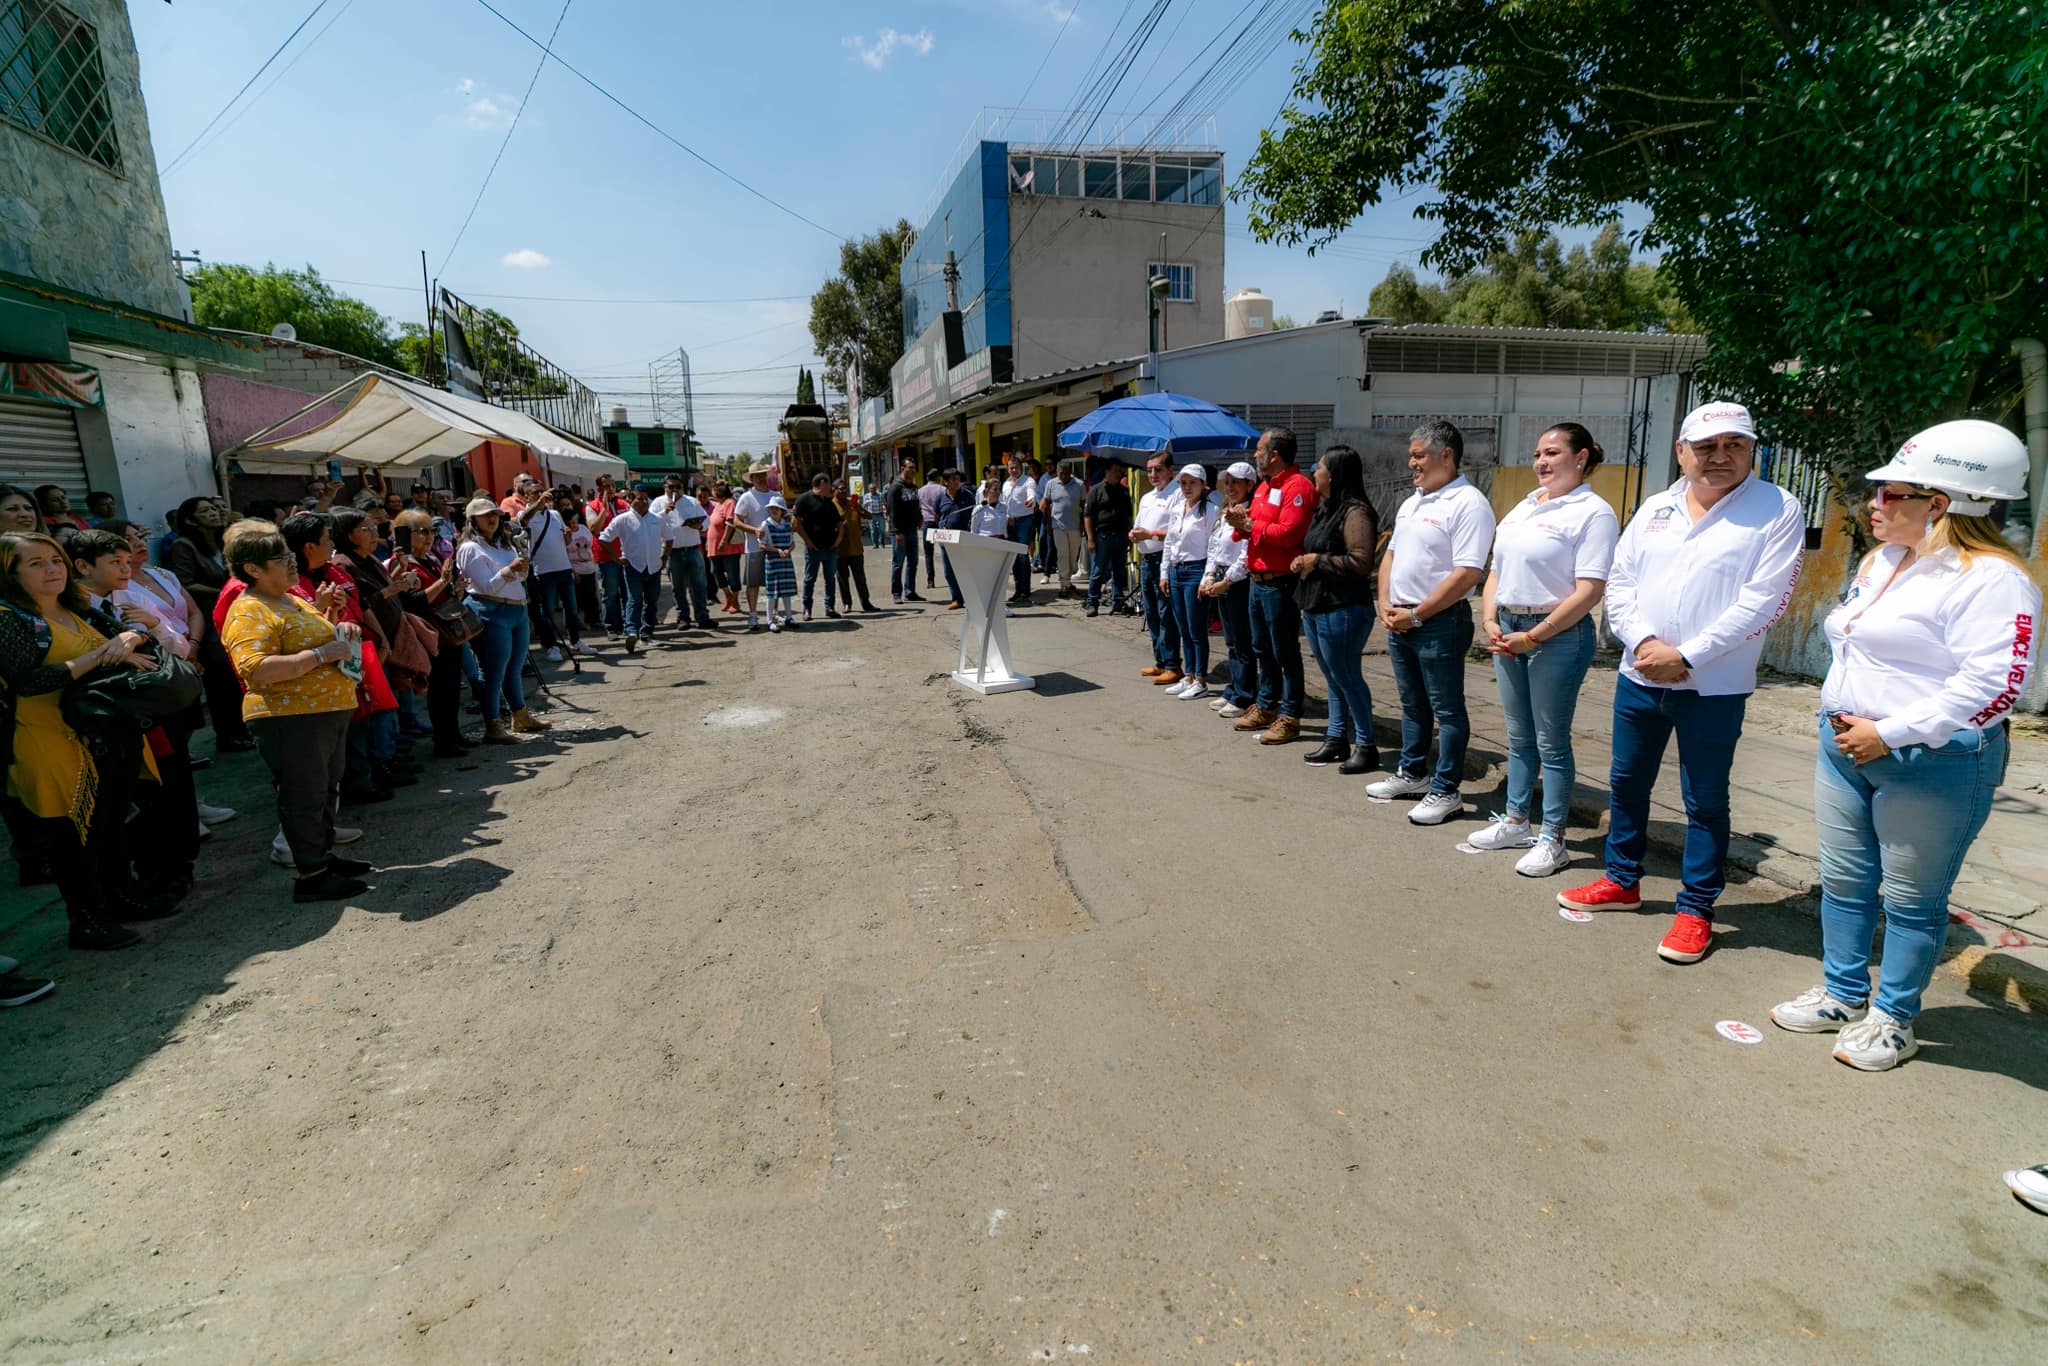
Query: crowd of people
x=338 y=641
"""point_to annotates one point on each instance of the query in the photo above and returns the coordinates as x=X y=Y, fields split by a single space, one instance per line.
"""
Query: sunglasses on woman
x=1884 y=497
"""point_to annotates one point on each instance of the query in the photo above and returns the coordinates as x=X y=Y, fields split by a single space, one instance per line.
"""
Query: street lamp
x=1156 y=290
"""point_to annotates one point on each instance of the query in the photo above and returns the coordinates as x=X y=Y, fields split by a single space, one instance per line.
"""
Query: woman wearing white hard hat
x=1931 y=648
x=1227 y=583
x=1189 y=520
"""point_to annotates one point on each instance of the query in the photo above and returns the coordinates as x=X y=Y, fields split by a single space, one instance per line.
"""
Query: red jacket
x=1280 y=513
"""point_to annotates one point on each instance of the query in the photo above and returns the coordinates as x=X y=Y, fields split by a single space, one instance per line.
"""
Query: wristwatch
x=1414 y=618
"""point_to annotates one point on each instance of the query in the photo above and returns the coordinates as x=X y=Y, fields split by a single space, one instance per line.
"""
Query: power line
x=1072 y=10
x=268 y=86
x=576 y=299
x=173 y=162
x=510 y=129
x=655 y=128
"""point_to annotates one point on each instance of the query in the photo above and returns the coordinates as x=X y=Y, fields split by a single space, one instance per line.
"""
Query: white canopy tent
x=393 y=424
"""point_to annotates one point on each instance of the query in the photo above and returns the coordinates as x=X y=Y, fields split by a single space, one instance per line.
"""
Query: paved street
x=788 y=1004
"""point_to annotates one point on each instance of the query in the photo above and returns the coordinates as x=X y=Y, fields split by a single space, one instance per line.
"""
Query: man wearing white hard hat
x=1931 y=647
x=1700 y=573
x=1183 y=560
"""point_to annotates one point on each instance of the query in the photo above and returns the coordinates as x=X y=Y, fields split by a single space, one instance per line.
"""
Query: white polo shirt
x=1542 y=548
x=1710 y=588
x=547 y=539
x=1154 y=507
x=1434 y=534
x=676 y=514
x=1020 y=496
x=989 y=519
x=640 y=539
x=1942 y=648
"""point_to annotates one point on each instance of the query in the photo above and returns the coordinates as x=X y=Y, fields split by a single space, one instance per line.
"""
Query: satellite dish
x=285 y=332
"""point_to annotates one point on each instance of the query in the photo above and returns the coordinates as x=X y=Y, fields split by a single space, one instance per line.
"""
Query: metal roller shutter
x=39 y=445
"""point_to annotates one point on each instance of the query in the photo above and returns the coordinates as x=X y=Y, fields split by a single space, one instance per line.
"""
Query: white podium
x=982 y=565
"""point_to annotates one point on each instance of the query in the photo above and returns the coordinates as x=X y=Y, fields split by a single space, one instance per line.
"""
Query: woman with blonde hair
x=1931 y=649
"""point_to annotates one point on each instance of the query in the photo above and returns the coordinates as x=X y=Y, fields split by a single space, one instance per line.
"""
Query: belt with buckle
x=1525 y=611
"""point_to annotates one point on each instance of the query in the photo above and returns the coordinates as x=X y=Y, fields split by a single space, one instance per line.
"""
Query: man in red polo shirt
x=1275 y=525
x=605 y=504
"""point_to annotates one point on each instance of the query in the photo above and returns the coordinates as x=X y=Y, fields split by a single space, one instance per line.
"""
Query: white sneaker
x=774 y=627
x=281 y=853
x=1814 y=1011
x=1396 y=784
x=1191 y=690
x=204 y=833
x=2030 y=1184
x=1219 y=703
x=1230 y=711
x=554 y=654
x=1876 y=1043
x=1505 y=832
x=1436 y=808
x=1009 y=611
x=347 y=834
x=1548 y=857
x=215 y=815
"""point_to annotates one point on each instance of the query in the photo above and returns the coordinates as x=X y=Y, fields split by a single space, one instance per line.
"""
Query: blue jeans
x=1539 y=691
x=686 y=576
x=643 y=599
x=818 y=562
x=502 y=651
x=1902 y=823
x=612 y=579
x=1158 y=614
x=1235 y=607
x=952 y=583
x=1645 y=719
x=1022 y=529
x=1276 y=640
x=1337 y=638
x=1429 y=673
x=1190 y=616
x=903 y=565
x=553 y=590
x=1109 y=566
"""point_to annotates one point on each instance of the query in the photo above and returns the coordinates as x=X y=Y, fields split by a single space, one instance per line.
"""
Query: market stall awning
x=394 y=424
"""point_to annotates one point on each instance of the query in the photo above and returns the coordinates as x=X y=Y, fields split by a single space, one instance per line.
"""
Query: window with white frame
x=1180 y=280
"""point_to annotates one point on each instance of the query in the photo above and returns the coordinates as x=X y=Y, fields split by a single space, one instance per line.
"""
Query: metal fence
x=1805 y=479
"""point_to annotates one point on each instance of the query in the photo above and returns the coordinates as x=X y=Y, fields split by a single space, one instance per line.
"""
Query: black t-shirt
x=819 y=518
x=1108 y=507
x=906 y=513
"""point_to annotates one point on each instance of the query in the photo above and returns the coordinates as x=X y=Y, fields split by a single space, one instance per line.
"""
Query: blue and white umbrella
x=1150 y=423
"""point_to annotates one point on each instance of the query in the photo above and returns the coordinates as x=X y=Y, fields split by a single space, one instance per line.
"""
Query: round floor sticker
x=1574 y=914
x=1735 y=1031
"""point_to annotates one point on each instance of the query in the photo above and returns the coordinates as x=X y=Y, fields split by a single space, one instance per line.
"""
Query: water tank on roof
x=1247 y=313
x=618 y=415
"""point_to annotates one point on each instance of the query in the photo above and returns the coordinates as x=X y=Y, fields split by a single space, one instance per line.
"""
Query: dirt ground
x=789 y=1004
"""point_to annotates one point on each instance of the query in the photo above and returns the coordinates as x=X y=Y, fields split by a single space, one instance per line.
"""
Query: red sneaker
x=1688 y=940
x=1601 y=894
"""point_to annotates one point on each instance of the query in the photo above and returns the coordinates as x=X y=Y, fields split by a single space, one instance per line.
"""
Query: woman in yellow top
x=75 y=802
x=290 y=657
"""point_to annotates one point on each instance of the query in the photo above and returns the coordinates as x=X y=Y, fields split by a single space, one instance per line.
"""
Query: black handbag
x=119 y=703
x=453 y=620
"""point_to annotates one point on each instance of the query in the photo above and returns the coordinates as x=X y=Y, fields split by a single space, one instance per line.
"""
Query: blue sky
x=365 y=143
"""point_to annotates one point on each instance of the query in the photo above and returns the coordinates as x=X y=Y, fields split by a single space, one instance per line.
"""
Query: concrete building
x=651 y=451
x=1054 y=242
x=101 y=362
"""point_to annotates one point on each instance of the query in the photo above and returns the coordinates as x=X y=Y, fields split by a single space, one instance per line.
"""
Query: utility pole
x=427 y=361
x=960 y=454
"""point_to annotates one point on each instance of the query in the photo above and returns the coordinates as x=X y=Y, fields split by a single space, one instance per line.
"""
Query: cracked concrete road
x=791 y=1006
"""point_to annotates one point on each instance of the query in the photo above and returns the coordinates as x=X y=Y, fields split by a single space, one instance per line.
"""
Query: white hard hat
x=1976 y=463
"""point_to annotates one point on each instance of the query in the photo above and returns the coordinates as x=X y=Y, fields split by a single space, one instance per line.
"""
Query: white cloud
x=465 y=86
x=876 y=53
x=1058 y=13
x=526 y=258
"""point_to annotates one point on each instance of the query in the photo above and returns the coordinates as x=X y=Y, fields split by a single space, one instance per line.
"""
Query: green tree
x=857 y=315
x=246 y=300
x=1845 y=197
x=1282 y=322
x=1536 y=283
x=806 y=388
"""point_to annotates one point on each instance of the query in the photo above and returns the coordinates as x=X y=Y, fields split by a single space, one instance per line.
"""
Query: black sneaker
x=16 y=990
x=1092 y=611
x=97 y=935
x=1364 y=759
x=327 y=885
x=912 y=597
x=348 y=867
x=831 y=614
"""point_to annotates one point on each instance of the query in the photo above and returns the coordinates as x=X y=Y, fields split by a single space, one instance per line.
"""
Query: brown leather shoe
x=1170 y=676
x=1258 y=718
x=1284 y=730
x=1150 y=671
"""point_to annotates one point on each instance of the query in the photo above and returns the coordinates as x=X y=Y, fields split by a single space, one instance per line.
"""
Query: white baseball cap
x=1717 y=419
x=1194 y=470
x=1243 y=470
